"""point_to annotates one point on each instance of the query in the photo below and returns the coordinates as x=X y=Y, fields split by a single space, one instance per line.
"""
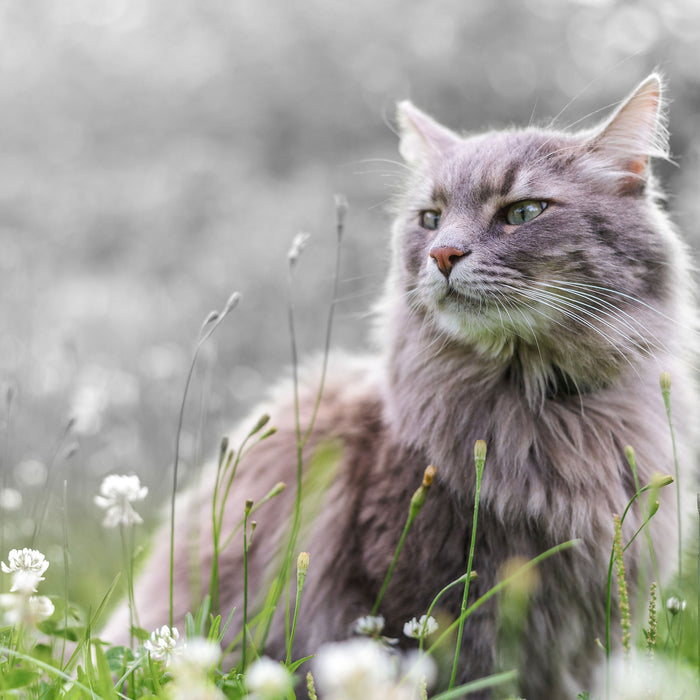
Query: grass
x=36 y=629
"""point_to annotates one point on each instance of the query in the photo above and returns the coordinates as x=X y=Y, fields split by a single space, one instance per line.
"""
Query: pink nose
x=446 y=257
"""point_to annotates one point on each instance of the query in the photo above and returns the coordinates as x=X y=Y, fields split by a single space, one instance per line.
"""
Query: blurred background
x=156 y=155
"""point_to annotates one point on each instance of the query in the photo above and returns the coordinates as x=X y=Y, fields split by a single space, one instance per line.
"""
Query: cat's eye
x=430 y=219
x=522 y=212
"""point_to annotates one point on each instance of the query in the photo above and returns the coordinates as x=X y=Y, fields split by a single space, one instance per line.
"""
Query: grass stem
x=417 y=501
x=479 y=459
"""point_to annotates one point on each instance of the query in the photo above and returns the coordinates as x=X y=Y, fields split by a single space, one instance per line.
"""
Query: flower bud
x=302 y=568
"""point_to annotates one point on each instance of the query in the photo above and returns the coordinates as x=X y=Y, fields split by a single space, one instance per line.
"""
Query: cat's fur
x=546 y=340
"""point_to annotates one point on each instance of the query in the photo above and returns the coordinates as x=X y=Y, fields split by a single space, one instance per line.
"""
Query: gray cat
x=536 y=292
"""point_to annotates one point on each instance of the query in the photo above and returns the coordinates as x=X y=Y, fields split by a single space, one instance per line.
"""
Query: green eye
x=430 y=219
x=522 y=212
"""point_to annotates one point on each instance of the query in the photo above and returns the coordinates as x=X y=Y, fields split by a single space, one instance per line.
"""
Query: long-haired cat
x=536 y=291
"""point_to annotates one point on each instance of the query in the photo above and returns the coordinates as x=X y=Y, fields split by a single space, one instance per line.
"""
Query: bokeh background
x=156 y=155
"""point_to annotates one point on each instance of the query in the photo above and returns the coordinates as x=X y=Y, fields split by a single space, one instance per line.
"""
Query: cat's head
x=537 y=239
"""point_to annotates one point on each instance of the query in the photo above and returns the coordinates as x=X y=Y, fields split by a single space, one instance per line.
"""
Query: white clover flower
x=191 y=668
x=25 y=582
x=198 y=655
x=162 y=643
x=117 y=493
x=41 y=607
x=18 y=609
x=369 y=625
x=358 y=669
x=636 y=676
x=25 y=560
x=26 y=567
x=268 y=679
x=425 y=626
x=675 y=605
x=418 y=671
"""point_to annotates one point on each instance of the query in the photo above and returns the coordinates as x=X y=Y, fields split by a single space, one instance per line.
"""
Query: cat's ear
x=634 y=133
x=422 y=138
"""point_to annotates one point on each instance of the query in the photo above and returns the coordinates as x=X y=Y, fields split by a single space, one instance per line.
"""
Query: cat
x=536 y=291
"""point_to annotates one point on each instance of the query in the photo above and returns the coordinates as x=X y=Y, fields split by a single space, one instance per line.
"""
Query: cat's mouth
x=470 y=300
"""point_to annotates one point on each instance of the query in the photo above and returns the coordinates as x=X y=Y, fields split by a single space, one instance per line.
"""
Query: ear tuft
x=421 y=137
x=635 y=132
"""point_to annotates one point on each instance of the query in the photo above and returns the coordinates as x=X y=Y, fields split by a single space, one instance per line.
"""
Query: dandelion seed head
x=117 y=493
x=268 y=679
x=425 y=625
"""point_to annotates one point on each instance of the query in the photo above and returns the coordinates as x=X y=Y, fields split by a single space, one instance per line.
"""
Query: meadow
x=155 y=157
x=51 y=647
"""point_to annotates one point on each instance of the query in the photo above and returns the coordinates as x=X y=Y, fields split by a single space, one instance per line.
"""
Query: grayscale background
x=156 y=155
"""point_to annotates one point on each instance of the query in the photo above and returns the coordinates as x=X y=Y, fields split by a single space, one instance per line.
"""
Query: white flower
x=636 y=676
x=191 y=667
x=358 y=669
x=369 y=625
x=41 y=607
x=162 y=643
x=675 y=605
x=424 y=626
x=418 y=670
x=117 y=493
x=25 y=560
x=26 y=567
x=29 y=610
x=268 y=679
x=25 y=581
x=198 y=655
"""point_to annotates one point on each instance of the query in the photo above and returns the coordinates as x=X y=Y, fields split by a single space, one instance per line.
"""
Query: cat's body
x=544 y=336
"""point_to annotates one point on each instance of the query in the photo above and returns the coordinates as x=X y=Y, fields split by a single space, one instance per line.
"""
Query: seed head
x=262 y=422
x=231 y=303
x=302 y=568
x=658 y=481
x=298 y=244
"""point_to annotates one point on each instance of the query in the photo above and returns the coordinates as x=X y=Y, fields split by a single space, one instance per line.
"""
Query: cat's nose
x=446 y=257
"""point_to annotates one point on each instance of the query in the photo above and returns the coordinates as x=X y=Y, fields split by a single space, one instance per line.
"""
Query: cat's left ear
x=634 y=133
x=422 y=138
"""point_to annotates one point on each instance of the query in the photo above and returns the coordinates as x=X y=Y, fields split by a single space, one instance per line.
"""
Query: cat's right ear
x=422 y=138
